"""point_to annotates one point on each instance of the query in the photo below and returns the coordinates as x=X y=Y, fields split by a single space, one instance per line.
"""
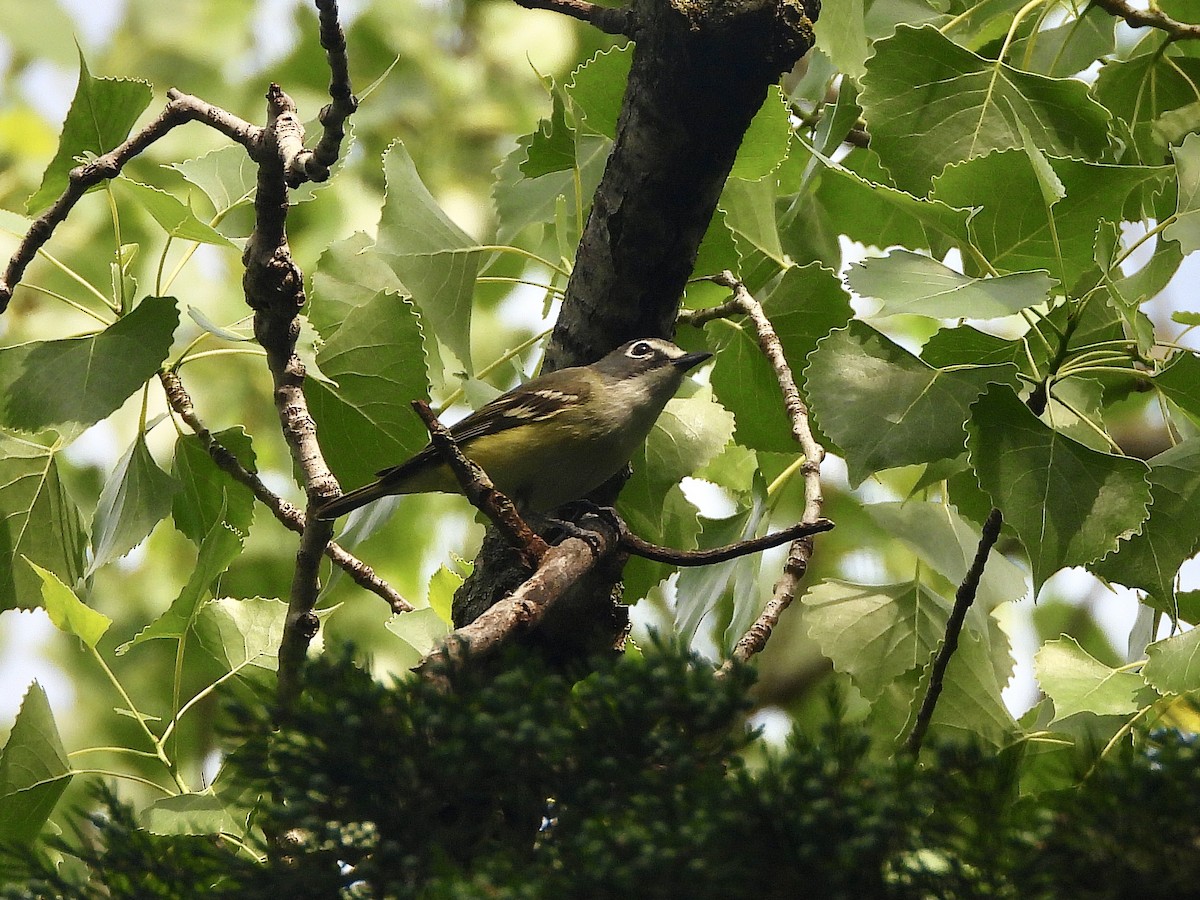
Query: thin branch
x=314 y=165
x=801 y=550
x=481 y=492
x=607 y=19
x=638 y=547
x=562 y=566
x=180 y=108
x=287 y=514
x=963 y=599
x=274 y=289
x=1150 y=18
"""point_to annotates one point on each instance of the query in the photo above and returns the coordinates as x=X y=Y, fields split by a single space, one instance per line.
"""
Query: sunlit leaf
x=101 y=115
x=1186 y=227
x=916 y=284
x=1078 y=682
x=68 y=613
x=1173 y=664
x=190 y=814
x=242 y=634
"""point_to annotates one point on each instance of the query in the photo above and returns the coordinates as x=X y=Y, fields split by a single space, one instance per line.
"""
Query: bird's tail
x=353 y=500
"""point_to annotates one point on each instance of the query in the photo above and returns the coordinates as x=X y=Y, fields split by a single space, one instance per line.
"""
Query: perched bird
x=552 y=439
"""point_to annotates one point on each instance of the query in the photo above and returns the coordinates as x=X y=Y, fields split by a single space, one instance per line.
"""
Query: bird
x=553 y=439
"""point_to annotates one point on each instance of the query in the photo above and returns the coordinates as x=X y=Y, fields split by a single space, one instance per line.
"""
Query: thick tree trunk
x=701 y=70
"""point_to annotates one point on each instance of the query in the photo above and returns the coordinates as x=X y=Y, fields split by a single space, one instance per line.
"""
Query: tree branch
x=801 y=551
x=638 y=547
x=287 y=514
x=1150 y=18
x=609 y=20
x=274 y=289
x=963 y=599
x=180 y=108
x=314 y=165
x=481 y=492
x=562 y=566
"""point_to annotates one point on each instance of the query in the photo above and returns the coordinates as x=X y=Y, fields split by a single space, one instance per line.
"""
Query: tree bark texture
x=700 y=72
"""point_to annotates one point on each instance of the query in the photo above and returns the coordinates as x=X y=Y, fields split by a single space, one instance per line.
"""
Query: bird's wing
x=537 y=400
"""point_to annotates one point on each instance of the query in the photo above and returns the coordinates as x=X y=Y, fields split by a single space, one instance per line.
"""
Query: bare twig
x=963 y=599
x=481 y=492
x=287 y=514
x=801 y=550
x=180 y=108
x=314 y=165
x=638 y=547
x=610 y=20
x=274 y=289
x=857 y=136
x=562 y=566
x=1150 y=18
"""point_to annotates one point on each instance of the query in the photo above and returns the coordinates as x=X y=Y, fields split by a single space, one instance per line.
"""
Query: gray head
x=646 y=355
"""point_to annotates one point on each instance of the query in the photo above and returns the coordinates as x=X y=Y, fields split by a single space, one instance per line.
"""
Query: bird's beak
x=690 y=360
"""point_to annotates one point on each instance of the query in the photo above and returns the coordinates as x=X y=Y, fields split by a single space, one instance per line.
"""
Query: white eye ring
x=641 y=350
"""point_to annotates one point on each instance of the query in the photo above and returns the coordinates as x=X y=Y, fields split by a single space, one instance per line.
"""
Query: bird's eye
x=641 y=350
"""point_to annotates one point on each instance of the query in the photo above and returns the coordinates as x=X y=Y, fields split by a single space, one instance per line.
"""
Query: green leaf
x=1179 y=382
x=765 y=143
x=101 y=115
x=598 y=86
x=190 y=814
x=857 y=201
x=701 y=588
x=348 y=276
x=804 y=306
x=377 y=359
x=442 y=585
x=1186 y=227
x=1069 y=504
x=227 y=176
x=435 y=259
x=421 y=629
x=932 y=103
x=34 y=770
x=1068 y=48
x=522 y=201
x=83 y=380
x=242 y=634
x=947 y=542
x=967 y=346
x=176 y=219
x=842 y=34
x=1185 y=318
x=749 y=208
x=885 y=407
x=219 y=548
x=68 y=613
x=970 y=707
x=1077 y=682
x=1145 y=88
x=136 y=497
x=38 y=520
x=1150 y=560
x=206 y=490
x=912 y=283
x=1058 y=237
x=553 y=146
x=1173 y=665
x=875 y=633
